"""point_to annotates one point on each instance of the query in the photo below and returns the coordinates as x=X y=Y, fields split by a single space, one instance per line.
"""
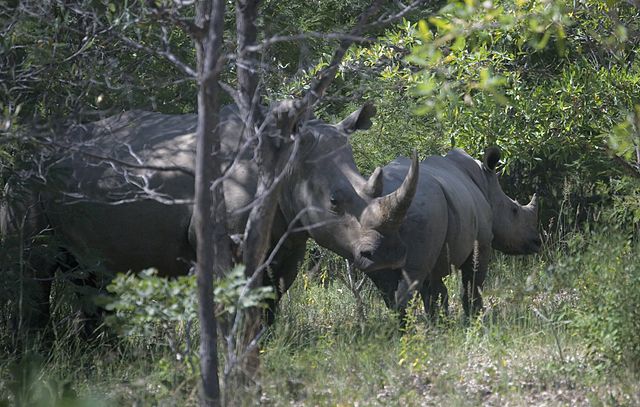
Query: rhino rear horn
x=374 y=184
x=390 y=210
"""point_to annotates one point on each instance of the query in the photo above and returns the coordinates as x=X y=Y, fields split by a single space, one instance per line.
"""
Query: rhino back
x=447 y=216
x=135 y=218
x=469 y=213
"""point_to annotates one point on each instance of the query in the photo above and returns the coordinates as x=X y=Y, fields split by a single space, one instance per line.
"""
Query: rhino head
x=515 y=226
x=341 y=210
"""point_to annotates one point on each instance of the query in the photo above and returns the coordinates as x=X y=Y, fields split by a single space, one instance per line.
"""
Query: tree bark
x=246 y=62
x=213 y=245
x=258 y=230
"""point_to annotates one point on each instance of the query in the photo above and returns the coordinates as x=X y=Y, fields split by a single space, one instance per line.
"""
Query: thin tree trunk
x=257 y=233
x=247 y=33
x=213 y=247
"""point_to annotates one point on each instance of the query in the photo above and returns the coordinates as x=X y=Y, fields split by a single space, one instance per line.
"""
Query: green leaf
x=423 y=30
x=459 y=44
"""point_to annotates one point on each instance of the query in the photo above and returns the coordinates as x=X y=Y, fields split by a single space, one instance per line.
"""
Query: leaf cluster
x=141 y=303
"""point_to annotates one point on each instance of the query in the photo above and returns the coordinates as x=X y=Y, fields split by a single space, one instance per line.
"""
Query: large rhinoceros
x=134 y=210
x=458 y=214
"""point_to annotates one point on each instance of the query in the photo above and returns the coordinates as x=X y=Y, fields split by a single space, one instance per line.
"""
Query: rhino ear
x=359 y=120
x=491 y=157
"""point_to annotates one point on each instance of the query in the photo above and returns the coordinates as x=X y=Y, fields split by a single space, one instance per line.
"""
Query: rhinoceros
x=123 y=198
x=459 y=213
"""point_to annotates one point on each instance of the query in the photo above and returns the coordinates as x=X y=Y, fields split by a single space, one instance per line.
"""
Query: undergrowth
x=559 y=328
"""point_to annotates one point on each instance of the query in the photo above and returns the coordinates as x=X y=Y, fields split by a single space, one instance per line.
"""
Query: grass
x=525 y=350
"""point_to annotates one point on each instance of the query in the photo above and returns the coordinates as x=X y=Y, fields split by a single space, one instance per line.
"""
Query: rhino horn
x=534 y=202
x=374 y=184
x=390 y=210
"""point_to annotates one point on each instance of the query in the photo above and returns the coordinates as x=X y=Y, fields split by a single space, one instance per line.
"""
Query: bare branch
x=74 y=148
x=168 y=15
x=325 y=77
x=305 y=36
x=397 y=16
x=184 y=68
x=631 y=169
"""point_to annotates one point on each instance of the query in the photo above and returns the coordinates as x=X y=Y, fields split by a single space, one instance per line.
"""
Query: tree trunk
x=257 y=233
x=246 y=62
x=213 y=246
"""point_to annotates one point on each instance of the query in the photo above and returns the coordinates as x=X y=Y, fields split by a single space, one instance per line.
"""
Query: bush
x=144 y=301
x=607 y=318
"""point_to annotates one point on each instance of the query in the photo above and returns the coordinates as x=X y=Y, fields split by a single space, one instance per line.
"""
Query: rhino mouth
x=368 y=263
x=532 y=246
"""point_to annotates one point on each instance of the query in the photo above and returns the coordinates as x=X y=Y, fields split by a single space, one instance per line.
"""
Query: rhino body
x=459 y=213
x=134 y=211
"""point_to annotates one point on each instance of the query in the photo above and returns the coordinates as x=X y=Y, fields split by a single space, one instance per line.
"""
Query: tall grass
x=543 y=339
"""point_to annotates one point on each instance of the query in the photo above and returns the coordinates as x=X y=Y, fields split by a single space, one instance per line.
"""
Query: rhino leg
x=283 y=270
x=88 y=283
x=387 y=283
x=35 y=301
x=474 y=271
x=29 y=257
x=435 y=298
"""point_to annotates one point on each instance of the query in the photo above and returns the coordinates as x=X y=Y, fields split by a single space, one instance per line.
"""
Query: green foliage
x=141 y=303
x=553 y=83
x=607 y=318
x=65 y=61
x=625 y=209
x=163 y=311
x=232 y=295
x=468 y=44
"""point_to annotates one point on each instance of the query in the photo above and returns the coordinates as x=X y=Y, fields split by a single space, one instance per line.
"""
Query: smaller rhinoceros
x=458 y=214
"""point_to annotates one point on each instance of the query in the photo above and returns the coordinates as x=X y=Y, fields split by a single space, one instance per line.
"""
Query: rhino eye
x=514 y=211
x=335 y=203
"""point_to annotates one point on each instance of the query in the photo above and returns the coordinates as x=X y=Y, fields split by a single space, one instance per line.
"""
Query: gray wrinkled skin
x=459 y=213
x=101 y=213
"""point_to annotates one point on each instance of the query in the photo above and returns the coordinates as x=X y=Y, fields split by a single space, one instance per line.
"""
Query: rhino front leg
x=408 y=285
x=386 y=281
x=283 y=270
x=474 y=271
x=35 y=311
x=435 y=298
x=435 y=295
x=28 y=257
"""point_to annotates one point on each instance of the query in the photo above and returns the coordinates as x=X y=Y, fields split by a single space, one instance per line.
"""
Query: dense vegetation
x=553 y=83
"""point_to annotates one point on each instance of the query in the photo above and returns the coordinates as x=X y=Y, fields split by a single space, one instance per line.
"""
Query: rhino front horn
x=534 y=201
x=390 y=210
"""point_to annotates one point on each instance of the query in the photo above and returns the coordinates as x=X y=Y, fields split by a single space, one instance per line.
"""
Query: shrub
x=144 y=301
x=607 y=318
